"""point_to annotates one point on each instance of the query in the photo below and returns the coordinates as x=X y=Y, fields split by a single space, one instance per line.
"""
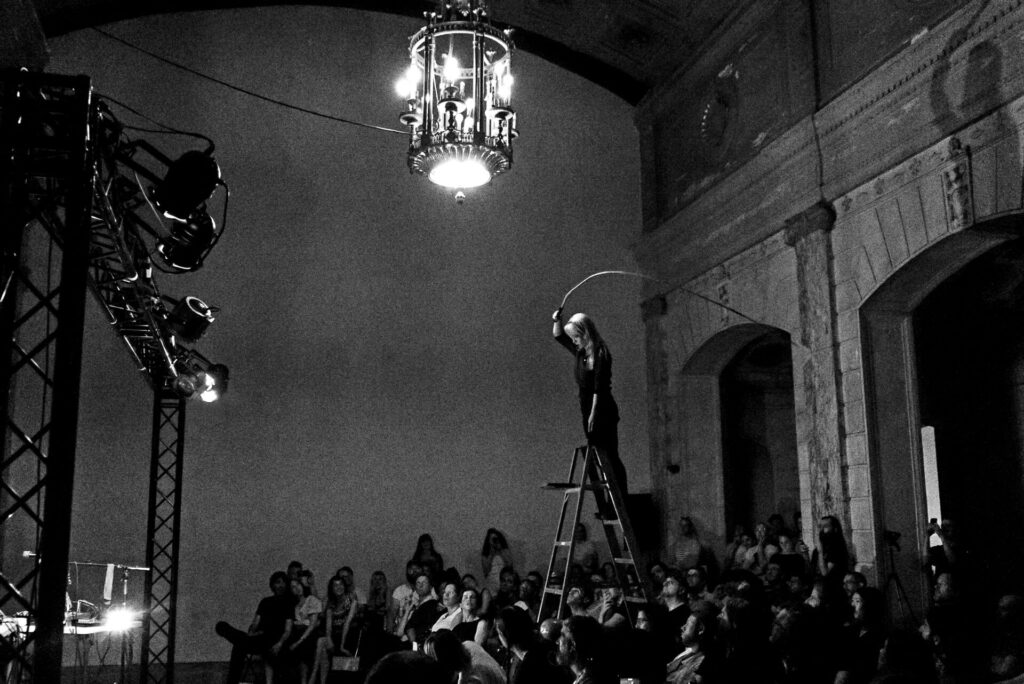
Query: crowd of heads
x=767 y=608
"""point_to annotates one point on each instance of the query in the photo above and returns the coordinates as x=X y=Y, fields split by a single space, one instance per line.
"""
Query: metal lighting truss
x=45 y=172
x=69 y=212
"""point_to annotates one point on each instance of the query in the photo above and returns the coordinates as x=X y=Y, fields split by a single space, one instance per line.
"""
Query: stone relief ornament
x=956 y=181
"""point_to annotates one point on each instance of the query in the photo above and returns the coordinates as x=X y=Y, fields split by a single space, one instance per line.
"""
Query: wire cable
x=242 y=90
x=168 y=130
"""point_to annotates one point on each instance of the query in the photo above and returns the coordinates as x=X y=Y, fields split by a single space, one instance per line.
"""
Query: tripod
x=892 y=579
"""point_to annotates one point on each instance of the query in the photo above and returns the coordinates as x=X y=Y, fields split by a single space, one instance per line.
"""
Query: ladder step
x=624 y=561
x=560 y=485
x=562 y=543
x=634 y=599
x=553 y=590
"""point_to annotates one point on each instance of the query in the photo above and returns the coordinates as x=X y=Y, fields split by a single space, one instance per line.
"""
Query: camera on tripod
x=892 y=538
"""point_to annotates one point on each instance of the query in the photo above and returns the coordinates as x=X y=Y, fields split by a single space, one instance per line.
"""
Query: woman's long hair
x=419 y=554
x=585 y=328
x=833 y=546
x=488 y=550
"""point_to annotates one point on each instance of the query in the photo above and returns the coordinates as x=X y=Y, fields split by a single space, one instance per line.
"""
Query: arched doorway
x=969 y=338
x=759 y=461
x=907 y=340
x=738 y=435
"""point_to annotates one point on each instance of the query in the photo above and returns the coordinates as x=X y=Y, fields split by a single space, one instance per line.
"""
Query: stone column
x=816 y=371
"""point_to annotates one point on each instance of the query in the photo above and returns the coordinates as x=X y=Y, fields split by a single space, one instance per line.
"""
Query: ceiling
x=626 y=46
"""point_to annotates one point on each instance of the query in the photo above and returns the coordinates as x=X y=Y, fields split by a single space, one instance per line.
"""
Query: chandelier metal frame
x=458 y=95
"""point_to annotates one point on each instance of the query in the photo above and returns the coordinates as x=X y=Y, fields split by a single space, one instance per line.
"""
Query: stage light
x=197 y=377
x=120 y=619
x=215 y=382
x=188 y=242
x=190 y=181
x=458 y=97
x=190 y=318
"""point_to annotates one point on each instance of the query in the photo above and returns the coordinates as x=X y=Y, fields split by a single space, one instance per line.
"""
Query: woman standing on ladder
x=594 y=378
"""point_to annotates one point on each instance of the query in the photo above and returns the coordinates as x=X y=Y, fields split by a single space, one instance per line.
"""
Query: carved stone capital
x=818 y=217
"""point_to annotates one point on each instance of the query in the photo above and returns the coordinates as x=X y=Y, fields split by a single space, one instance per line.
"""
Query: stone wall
x=833 y=233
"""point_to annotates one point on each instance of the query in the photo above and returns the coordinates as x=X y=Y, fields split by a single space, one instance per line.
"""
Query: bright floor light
x=120 y=619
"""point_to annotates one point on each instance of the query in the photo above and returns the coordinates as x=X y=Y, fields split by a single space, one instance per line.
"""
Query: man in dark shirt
x=270 y=628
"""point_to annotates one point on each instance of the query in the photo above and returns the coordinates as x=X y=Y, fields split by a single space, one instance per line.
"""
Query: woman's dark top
x=591 y=381
x=466 y=630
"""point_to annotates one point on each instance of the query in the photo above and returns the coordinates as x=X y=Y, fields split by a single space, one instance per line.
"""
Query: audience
x=786 y=619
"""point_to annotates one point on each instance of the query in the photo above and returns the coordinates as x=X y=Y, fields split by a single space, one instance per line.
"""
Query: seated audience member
x=494 y=557
x=347 y=576
x=339 y=612
x=952 y=629
x=1007 y=642
x=379 y=614
x=696 y=663
x=550 y=630
x=951 y=554
x=865 y=636
x=532 y=660
x=305 y=631
x=745 y=656
x=646 y=648
x=463 y=661
x=407 y=667
x=380 y=607
x=775 y=589
x=473 y=626
x=678 y=608
x=270 y=629
x=508 y=590
x=905 y=659
x=757 y=557
x=831 y=558
x=852 y=581
x=790 y=557
x=405 y=598
x=309 y=582
x=427 y=610
x=529 y=598
x=736 y=550
x=656 y=573
x=776 y=526
x=803 y=648
x=697 y=585
x=612 y=610
x=294 y=570
x=428 y=558
x=581 y=648
x=688 y=551
x=484 y=595
x=577 y=600
x=585 y=552
x=608 y=575
x=451 y=601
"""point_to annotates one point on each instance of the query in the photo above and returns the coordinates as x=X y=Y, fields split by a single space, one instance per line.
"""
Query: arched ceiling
x=626 y=46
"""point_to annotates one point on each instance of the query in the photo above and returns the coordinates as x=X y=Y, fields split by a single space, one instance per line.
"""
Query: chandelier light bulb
x=452 y=70
x=505 y=89
x=460 y=173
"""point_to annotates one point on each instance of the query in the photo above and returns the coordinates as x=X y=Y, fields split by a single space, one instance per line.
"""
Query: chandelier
x=458 y=91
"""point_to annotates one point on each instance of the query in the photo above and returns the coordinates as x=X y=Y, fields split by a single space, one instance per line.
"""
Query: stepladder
x=591 y=472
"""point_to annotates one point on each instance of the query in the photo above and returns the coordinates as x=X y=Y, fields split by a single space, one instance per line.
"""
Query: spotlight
x=215 y=382
x=120 y=619
x=190 y=181
x=189 y=241
x=190 y=318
